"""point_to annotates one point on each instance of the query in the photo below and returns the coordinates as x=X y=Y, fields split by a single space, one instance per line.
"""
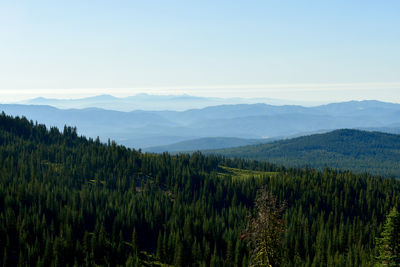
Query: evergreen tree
x=160 y=252
x=389 y=242
x=134 y=242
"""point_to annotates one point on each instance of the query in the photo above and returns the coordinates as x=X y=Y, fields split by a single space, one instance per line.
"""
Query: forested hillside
x=70 y=201
x=359 y=151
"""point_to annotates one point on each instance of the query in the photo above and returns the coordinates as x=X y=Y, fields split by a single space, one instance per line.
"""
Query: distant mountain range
x=151 y=102
x=143 y=129
x=360 y=151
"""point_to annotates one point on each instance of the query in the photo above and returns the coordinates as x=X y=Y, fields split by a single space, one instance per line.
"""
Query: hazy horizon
x=315 y=51
x=309 y=94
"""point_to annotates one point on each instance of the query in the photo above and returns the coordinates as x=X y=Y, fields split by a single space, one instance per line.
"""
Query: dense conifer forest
x=346 y=149
x=66 y=200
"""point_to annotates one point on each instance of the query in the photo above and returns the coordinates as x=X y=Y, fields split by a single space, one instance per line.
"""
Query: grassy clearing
x=236 y=173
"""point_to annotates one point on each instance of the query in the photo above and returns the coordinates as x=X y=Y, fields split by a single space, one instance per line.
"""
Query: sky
x=296 y=50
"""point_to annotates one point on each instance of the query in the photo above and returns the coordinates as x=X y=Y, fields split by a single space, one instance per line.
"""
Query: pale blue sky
x=241 y=48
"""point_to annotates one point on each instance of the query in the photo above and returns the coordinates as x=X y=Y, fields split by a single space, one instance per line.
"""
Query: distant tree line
x=346 y=149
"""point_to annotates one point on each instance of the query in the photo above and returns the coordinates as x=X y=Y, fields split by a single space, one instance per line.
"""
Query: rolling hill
x=142 y=129
x=360 y=151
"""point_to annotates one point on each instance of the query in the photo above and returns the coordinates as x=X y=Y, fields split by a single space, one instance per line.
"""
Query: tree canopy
x=389 y=242
x=66 y=200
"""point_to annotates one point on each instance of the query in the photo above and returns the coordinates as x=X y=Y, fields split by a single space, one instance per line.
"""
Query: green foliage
x=389 y=242
x=359 y=151
x=67 y=200
x=236 y=173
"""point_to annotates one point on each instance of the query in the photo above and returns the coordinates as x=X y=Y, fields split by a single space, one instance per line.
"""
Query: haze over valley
x=251 y=123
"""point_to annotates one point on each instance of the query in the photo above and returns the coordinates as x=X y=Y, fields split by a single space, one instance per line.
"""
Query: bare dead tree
x=264 y=231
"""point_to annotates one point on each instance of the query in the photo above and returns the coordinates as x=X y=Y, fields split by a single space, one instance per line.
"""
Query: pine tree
x=134 y=242
x=238 y=256
x=214 y=258
x=160 y=253
x=229 y=253
x=389 y=243
x=179 y=257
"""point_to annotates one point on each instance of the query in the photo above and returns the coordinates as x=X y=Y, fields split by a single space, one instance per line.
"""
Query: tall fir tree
x=389 y=242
